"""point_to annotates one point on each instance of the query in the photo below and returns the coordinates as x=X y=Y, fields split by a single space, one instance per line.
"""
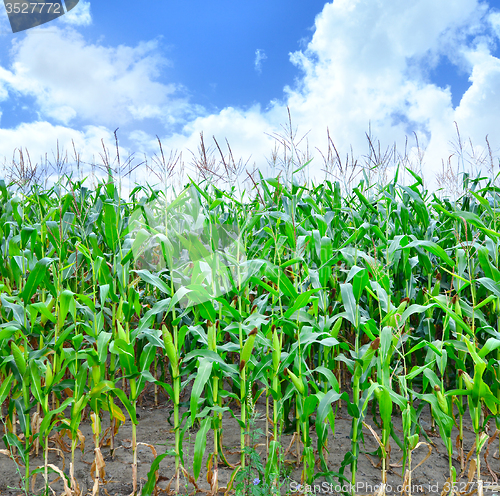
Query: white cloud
x=356 y=68
x=260 y=55
x=366 y=66
x=243 y=130
x=39 y=138
x=79 y=15
x=71 y=78
x=39 y=143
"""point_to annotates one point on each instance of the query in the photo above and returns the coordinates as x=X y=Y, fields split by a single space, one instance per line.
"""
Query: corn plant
x=386 y=289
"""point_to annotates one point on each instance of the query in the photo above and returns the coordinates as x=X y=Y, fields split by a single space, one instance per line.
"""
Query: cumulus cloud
x=260 y=55
x=41 y=141
x=367 y=66
x=70 y=78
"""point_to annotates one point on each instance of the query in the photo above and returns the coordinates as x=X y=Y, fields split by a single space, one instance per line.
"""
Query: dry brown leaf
x=426 y=456
x=472 y=470
x=376 y=436
x=67 y=490
x=192 y=481
x=291 y=444
x=76 y=487
x=215 y=482
x=125 y=442
x=36 y=421
x=492 y=473
x=209 y=469
x=446 y=487
x=151 y=447
x=97 y=471
x=81 y=438
x=105 y=438
x=378 y=465
x=380 y=490
x=61 y=454
x=95 y=489
x=406 y=482
x=134 y=479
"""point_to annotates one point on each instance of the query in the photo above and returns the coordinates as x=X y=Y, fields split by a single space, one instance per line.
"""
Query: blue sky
x=231 y=69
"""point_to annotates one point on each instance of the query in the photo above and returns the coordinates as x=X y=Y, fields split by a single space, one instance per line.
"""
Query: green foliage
x=241 y=300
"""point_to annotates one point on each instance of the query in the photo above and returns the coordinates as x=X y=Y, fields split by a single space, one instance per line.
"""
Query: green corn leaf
x=469 y=217
x=365 y=201
x=485 y=302
x=457 y=318
x=235 y=315
x=301 y=301
x=351 y=309
x=325 y=405
x=203 y=375
x=360 y=281
x=329 y=376
x=126 y=403
x=5 y=388
x=256 y=280
x=478 y=385
x=126 y=355
x=490 y=345
x=19 y=359
x=417 y=370
x=102 y=345
x=36 y=383
x=17 y=310
x=66 y=303
x=309 y=407
x=44 y=310
x=7 y=333
x=45 y=426
x=207 y=309
x=490 y=285
x=486 y=265
x=140 y=237
x=101 y=388
x=110 y=226
x=26 y=234
x=147 y=356
x=369 y=354
x=278 y=277
x=200 y=445
x=434 y=248
x=155 y=281
x=276 y=353
x=150 y=485
x=385 y=405
x=423 y=344
x=385 y=343
x=36 y=276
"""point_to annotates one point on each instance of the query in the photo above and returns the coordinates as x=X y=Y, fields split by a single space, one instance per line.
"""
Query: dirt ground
x=154 y=429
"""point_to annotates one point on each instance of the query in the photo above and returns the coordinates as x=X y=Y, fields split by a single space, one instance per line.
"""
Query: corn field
x=384 y=302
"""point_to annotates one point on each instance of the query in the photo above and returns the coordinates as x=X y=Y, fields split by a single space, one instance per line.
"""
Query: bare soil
x=154 y=429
